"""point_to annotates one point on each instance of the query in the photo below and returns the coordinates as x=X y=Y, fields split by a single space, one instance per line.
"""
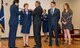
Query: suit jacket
x=44 y=17
x=37 y=13
x=14 y=13
x=53 y=19
x=26 y=19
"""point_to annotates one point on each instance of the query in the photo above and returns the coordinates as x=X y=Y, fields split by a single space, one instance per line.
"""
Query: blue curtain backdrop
x=2 y=16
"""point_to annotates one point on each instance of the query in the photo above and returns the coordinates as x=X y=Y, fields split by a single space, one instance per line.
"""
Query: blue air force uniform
x=45 y=23
x=13 y=24
x=26 y=21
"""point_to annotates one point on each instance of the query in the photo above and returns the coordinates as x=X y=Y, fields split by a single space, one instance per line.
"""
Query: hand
x=30 y=9
x=20 y=25
x=64 y=22
x=22 y=10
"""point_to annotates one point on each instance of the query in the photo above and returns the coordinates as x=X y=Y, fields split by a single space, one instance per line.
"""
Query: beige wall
x=75 y=5
x=76 y=10
x=7 y=15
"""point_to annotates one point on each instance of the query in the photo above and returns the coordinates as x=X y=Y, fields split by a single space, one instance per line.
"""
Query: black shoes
x=16 y=47
x=35 y=46
x=26 y=45
x=50 y=44
x=46 y=40
x=57 y=44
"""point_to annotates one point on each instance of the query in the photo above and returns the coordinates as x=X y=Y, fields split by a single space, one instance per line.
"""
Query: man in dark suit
x=13 y=23
x=53 y=19
x=37 y=13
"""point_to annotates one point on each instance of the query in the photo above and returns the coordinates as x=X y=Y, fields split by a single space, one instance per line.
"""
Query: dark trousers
x=37 y=34
x=55 y=28
x=12 y=36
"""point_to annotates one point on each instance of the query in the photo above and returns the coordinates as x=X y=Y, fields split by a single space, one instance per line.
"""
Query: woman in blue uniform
x=26 y=24
x=45 y=24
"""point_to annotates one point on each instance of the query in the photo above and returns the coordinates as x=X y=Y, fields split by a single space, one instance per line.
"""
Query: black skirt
x=45 y=26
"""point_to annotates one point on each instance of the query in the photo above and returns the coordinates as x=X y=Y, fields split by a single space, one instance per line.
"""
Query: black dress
x=67 y=17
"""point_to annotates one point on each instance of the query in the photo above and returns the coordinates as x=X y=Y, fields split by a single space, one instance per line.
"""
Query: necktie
x=52 y=11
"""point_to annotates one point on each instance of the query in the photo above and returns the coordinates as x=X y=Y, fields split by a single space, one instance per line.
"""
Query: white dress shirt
x=26 y=11
x=53 y=9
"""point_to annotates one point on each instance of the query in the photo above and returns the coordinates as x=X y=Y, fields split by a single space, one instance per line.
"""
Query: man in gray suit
x=37 y=13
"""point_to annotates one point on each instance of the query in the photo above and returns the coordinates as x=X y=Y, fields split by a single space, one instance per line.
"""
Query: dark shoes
x=57 y=44
x=26 y=45
x=16 y=47
x=50 y=44
x=35 y=46
x=46 y=40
